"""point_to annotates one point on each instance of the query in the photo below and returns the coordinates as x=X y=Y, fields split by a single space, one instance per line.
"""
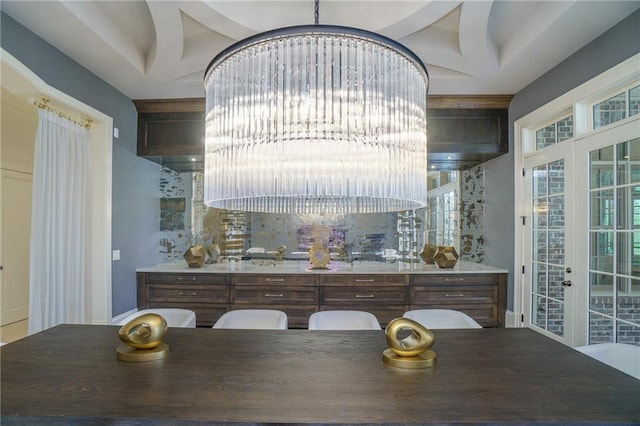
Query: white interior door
x=15 y=224
x=549 y=284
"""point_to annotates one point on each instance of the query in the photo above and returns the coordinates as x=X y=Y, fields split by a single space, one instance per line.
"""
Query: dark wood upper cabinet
x=463 y=131
x=462 y=138
x=171 y=132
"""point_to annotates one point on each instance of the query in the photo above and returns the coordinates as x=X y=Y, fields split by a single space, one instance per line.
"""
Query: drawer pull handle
x=362 y=280
x=182 y=293
x=453 y=279
x=365 y=296
x=183 y=278
x=279 y=280
x=274 y=295
x=454 y=295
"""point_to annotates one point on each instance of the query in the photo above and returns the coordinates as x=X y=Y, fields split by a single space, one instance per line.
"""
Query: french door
x=609 y=304
x=581 y=240
x=549 y=283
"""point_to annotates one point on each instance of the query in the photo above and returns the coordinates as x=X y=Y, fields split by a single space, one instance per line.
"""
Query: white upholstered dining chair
x=343 y=320
x=621 y=356
x=253 y=319
x=175 y=317
x=441 y=318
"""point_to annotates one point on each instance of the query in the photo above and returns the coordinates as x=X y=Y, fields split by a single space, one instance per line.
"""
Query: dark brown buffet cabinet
x=388 y=296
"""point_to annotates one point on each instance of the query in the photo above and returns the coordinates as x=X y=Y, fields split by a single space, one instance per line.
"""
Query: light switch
x=115 y=255
x=116 y=132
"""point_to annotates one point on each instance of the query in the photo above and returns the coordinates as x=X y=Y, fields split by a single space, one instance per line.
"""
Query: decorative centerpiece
x=427 y=253
x=213 y=253
x=281 y=253
x=319 y=256
x=446 y=257
x=142 y=338
x=412 y=351
x=195 y=256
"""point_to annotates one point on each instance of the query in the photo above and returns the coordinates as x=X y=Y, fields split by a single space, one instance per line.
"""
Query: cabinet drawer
x=444 y=295
x=484 y=314
x=188 y=293
x=252 y=294
x=384 y=314
x=194 y=278
x=274 y=279
x=364 y=295
x=206 y=315
x=463 y=279
x=364 y=280
x=297 y=314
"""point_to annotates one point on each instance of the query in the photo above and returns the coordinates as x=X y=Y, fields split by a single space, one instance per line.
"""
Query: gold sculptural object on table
x=142 y=338
x=412 y=351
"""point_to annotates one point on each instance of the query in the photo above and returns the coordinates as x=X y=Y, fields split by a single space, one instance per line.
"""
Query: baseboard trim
x=510 y=320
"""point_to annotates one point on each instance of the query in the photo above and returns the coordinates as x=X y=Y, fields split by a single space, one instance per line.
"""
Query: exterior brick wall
x=601 y=327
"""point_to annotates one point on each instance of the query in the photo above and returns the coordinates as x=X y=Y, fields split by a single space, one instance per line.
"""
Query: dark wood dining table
x=70 y=374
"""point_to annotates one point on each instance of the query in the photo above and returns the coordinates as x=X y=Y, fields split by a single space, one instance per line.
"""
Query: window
x=624 y=104
x=554 y=133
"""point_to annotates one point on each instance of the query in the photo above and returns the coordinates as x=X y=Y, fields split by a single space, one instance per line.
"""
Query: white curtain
x=59 y=267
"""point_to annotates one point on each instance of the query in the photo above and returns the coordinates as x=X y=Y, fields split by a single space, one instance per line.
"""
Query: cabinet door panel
x=274 y=279
x=457 y=279
x=206 y=314
x=297 y=314
x=484 y=314
x=251 y=294
x=366 y=295
x=187 y=293
x=193 y=278
x=384 y=314
x=364 y=280
x=454 y=294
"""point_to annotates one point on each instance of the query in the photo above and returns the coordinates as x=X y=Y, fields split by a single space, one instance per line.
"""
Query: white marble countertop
x=303 y=267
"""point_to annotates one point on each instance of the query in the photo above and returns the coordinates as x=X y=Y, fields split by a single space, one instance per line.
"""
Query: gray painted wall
x=135 y=197
x=613 y=47
x=136 y=192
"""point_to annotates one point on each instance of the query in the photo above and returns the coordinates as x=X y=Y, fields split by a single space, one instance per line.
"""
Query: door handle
x=567 y=283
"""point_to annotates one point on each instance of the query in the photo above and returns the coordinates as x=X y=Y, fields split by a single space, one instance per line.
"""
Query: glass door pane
x=614 y=243
x=548 y=245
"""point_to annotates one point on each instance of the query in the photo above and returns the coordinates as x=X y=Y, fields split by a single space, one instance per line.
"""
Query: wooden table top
x=70 y=375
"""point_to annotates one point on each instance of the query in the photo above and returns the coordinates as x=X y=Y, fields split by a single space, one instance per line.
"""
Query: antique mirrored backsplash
x=453 y=216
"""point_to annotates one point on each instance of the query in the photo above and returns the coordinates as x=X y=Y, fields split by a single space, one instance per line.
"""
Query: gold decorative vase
x=195 y=256
x=446 y=257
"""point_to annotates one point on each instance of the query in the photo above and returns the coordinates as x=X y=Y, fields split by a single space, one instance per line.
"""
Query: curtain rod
x=44 y=104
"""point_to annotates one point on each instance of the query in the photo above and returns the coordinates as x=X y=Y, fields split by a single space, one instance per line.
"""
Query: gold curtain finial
x=44 y=104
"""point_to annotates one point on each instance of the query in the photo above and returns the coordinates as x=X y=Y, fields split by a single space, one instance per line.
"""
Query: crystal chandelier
x=316 y=119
